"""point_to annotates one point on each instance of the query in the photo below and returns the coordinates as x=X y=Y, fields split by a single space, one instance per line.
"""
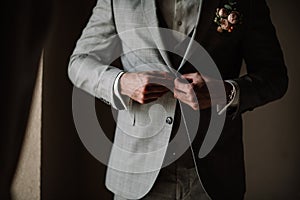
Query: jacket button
x=169 y=120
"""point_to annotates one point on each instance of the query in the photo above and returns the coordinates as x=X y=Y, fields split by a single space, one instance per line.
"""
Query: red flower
x=222 y=12
x=224 y=24
x=233 y=17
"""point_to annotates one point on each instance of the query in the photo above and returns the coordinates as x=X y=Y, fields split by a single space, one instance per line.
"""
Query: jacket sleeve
x=90 y=66
x=266 y=79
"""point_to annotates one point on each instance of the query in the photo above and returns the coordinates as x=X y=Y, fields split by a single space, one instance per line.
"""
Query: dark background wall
x=68 y=170
x=271 y=132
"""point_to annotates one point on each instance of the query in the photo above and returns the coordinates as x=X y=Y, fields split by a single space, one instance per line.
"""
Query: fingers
x=157 y=81
x=188 y=76
x=190 y=100
x=183 y=85
x=145 y=87
x=137 y=84
x=188 y=90
x=195 y=101
x=146 y=97
x=153 y=88
x=194 y=78
x=184 y=91
x=157 y=78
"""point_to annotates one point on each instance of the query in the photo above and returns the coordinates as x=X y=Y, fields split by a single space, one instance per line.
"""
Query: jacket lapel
x=206 y=19
x=207 y=15
x=150 y=17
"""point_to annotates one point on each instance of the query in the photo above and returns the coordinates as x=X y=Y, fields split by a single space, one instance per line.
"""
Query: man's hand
x=194 y=92
x=145 y=87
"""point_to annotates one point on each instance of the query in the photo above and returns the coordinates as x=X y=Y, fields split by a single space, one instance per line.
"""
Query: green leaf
x=232 y=2
x=217 y=20
x=228 y=7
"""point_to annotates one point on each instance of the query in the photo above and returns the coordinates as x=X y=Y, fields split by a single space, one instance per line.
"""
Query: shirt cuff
x=122 y=98
x=234 y=102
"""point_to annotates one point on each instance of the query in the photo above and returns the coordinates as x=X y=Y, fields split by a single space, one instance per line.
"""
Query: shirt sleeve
x=124 y=100
x=234 y=102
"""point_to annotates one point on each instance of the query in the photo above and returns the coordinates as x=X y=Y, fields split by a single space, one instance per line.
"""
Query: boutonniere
x=228 y=18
